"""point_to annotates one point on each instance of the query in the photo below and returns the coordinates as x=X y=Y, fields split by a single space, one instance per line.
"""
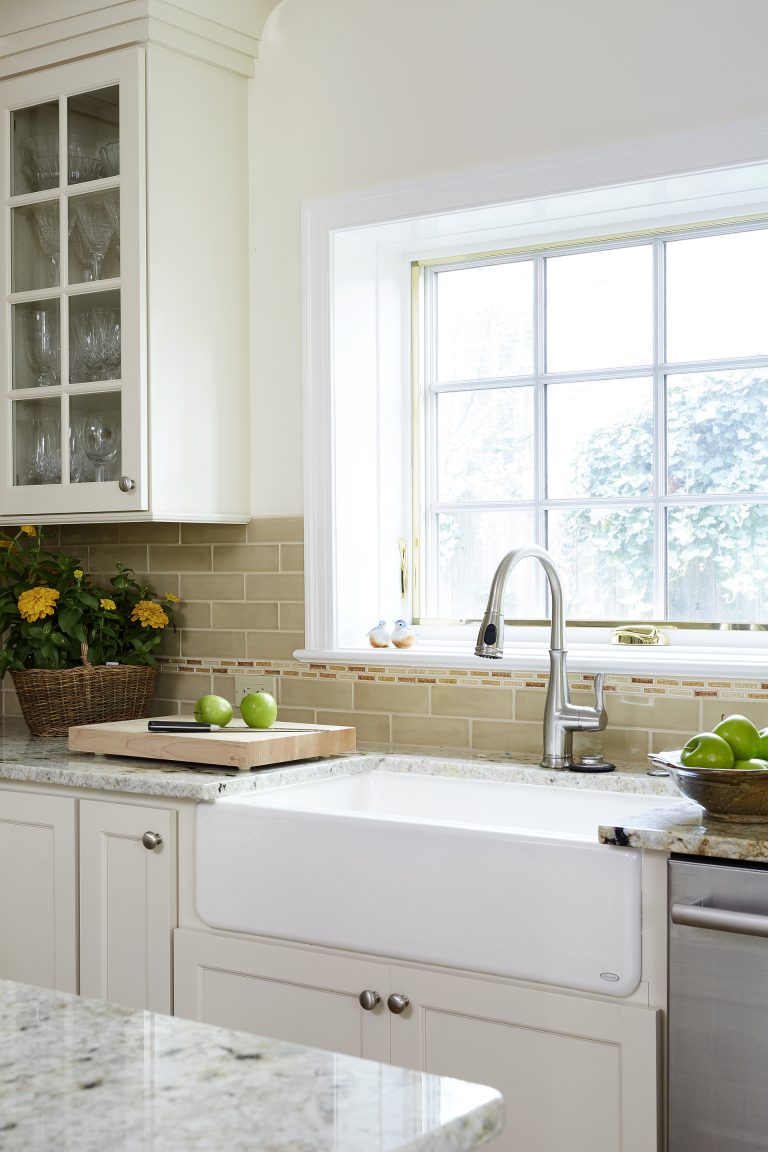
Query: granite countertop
x=671 y=823
x=77 y=1073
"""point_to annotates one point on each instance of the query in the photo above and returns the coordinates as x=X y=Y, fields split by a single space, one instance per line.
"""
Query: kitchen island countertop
x=77 y=1073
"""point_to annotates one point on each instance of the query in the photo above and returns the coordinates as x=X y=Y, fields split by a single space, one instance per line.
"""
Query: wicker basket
x=53 y=699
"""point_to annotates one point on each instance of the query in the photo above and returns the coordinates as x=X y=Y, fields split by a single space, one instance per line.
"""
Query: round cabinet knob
x=125 y=484
x=151 y=840
x=397 y=1003
x=369 y=999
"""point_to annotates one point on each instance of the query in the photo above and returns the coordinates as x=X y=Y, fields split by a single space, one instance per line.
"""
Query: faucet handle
x=599 y=694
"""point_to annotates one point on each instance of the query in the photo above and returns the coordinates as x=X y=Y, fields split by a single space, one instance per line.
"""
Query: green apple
x=754 y=762
x=762 y=751
x=707 y=750
x=258 y=709
x=741 y=734
x=212 y=709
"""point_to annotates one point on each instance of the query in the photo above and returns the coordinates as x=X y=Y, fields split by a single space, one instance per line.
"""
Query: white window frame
x=357 y=256
x=657 y=368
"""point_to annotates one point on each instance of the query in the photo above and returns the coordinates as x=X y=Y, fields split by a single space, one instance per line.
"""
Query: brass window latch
x=638 y=634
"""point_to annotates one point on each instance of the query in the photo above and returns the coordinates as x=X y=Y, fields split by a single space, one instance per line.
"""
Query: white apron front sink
x=503 y=878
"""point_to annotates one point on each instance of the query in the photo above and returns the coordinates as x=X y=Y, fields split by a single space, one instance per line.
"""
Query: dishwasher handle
x=695 y=914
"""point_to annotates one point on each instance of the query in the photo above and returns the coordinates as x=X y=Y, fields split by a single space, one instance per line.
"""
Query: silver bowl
x=739 y=795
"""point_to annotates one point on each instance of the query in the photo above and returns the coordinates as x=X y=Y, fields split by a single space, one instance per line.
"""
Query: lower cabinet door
x=127 y=903
x=38 y=890
x=290 y=993
x=575 y=1073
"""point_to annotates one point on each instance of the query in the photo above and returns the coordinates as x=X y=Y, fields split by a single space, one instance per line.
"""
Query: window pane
x=716 y=432
x=718 y=563
x=485 y=444
x=717 y=296
x=606 y=559
x=600 y=438
x=470 y=546
x=600 y=309
x=485 y=322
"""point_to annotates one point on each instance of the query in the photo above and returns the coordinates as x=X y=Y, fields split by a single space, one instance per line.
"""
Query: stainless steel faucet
x=561 y=717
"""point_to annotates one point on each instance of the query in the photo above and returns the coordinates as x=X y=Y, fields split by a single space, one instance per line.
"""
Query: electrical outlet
x=244 y=685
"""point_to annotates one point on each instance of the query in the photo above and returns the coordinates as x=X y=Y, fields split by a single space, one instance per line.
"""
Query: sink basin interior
x=546 y=811
x=487 y=876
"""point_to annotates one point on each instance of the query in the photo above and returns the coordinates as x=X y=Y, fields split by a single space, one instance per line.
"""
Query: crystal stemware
x=46 y=217
x=40 y=156
x=41 y=337
x=97 y=342
x=100 y=441
x=97 y=230
x=41 y=459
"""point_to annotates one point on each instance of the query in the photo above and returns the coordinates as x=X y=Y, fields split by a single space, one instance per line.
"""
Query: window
x=608 y=400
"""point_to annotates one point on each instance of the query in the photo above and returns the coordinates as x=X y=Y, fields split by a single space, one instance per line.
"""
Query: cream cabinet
x=127 y=903
x=88 y=903
x=124 y=326
x=38 y=891
x=575 y=1072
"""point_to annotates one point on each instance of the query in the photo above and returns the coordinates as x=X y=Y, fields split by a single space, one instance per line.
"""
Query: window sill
x=614 y=659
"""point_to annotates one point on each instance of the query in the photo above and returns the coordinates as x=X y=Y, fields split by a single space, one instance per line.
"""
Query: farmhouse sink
x=503 y=878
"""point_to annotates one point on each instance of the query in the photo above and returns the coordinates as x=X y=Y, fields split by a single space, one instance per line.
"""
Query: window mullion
x=659 y=435
x=539 y=399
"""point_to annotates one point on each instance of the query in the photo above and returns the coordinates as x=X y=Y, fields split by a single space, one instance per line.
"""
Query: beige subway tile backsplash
x=495 y=703
x=246 y=616
x=222 y=586
x=277 y=529
x=242 y=608
x=280 y=586
x=405 y=698
x=246 y=557
x=180 y=558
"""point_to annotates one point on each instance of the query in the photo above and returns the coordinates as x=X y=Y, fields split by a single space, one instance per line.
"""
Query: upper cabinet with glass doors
x=125 y=347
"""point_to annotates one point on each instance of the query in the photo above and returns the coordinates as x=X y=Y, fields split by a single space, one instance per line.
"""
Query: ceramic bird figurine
x=379 y=636
x=402 y=635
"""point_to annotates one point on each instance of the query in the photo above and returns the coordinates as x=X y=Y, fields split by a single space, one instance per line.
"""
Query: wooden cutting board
x=235 y=746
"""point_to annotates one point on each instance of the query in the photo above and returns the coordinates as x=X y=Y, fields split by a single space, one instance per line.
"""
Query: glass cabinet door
x=64 y=297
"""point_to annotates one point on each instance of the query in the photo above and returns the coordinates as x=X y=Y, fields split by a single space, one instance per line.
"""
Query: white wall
x=356 y=94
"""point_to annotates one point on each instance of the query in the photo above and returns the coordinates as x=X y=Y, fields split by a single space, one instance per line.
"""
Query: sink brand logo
x=609 y=977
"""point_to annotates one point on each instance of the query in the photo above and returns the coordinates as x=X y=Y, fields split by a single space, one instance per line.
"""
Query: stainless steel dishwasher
x=718 y=1006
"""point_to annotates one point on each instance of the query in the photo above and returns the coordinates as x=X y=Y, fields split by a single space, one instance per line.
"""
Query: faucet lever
x=599 y=686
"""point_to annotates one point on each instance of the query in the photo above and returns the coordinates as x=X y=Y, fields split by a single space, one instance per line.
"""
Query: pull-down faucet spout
x=561 y=717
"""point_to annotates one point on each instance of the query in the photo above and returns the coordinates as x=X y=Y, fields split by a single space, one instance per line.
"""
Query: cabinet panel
x=575 y=1072
x=127 y=904
x=38 y=928
x=289 y=993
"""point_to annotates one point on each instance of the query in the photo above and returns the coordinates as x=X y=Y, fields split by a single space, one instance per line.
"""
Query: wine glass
x=46 y=217
x=41 y=337
x=97 y=230
x=100 y=441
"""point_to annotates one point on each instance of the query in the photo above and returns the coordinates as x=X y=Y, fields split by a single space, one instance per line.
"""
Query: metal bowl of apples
x=725 y=770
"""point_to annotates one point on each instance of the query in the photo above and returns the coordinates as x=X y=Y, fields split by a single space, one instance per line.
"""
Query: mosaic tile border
x=681 y=687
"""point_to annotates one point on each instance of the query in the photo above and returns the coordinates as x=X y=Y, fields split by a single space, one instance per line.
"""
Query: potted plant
x=77 y=653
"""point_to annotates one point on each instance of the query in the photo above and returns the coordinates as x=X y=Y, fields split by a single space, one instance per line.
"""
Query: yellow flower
x=149 y=614
x=105 y=602
x=78 y=573
x=36 y=603
x=171 y=598
x=6 y=544
x=29 y=530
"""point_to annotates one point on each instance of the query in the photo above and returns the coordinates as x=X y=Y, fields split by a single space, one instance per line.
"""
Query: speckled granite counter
x=82 y=1074
x=672 y=825
x=47 y=760
x=686 y=828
